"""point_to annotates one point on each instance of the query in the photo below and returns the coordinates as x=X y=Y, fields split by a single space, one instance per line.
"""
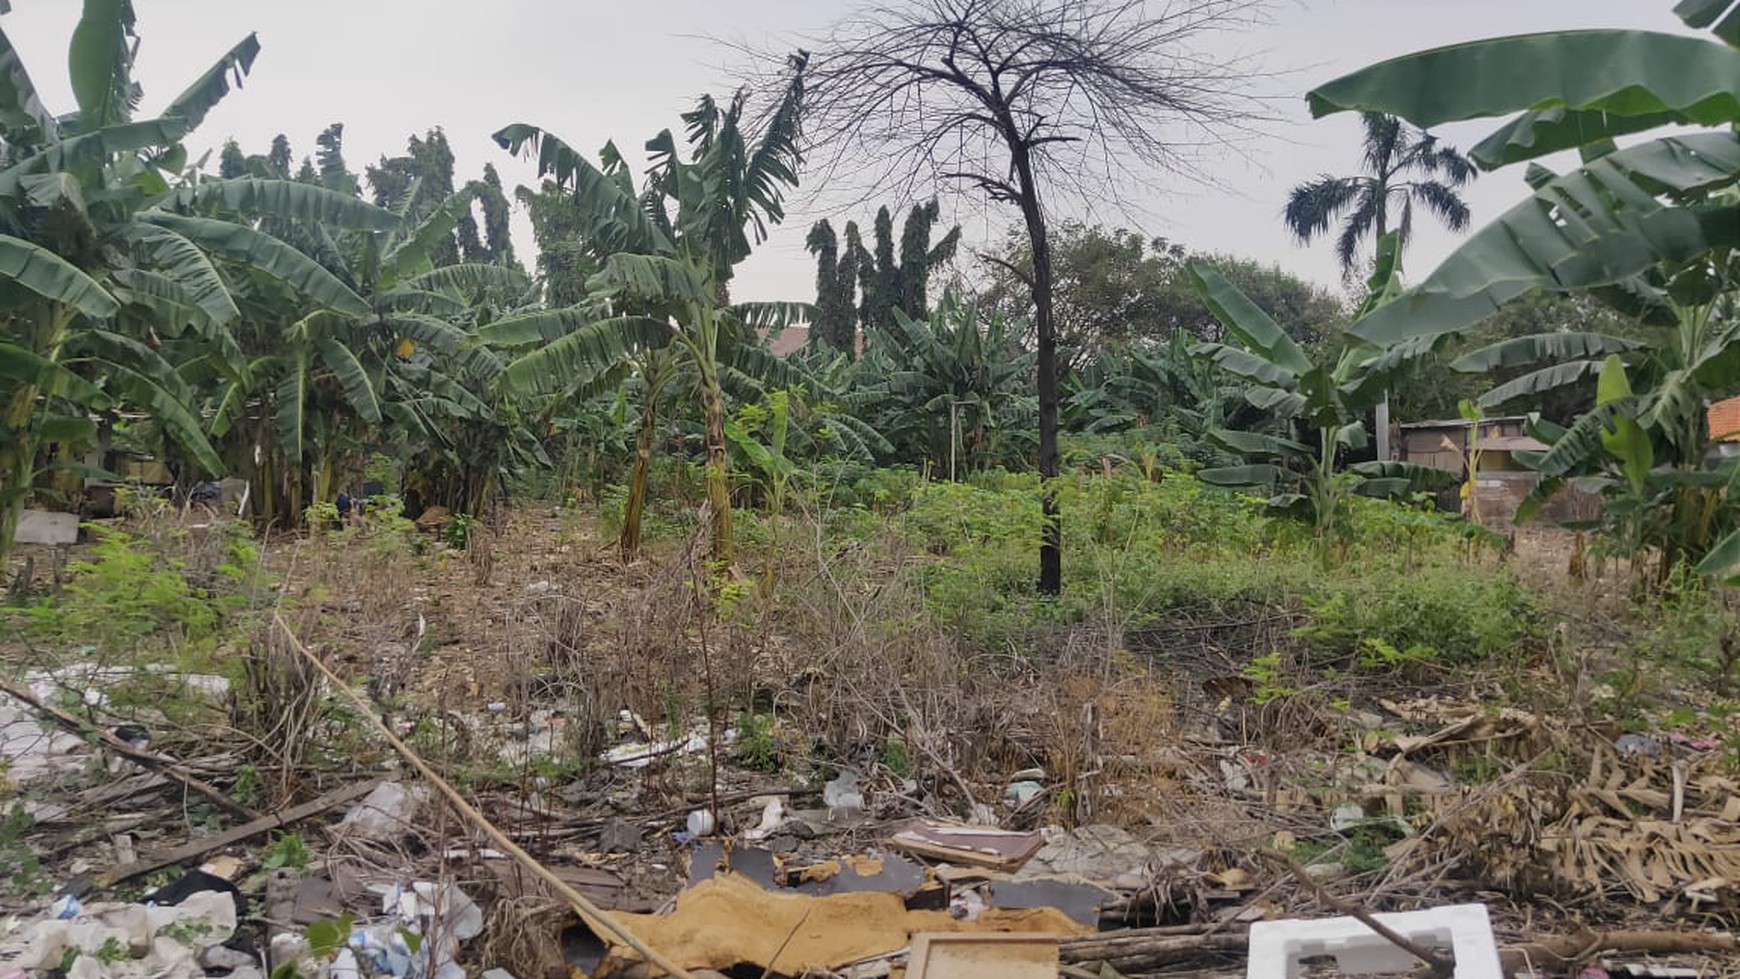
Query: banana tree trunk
x=718 y=468
x=17 y=464
x=643 y=449
x=18 y=458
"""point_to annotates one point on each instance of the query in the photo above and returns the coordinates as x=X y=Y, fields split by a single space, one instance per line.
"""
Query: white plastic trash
x=1463 y=930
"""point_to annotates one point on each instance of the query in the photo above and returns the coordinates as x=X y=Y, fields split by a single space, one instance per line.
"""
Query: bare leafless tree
x=1028 y=101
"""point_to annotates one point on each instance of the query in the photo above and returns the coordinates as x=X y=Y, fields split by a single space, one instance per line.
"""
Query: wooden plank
x=205 y=844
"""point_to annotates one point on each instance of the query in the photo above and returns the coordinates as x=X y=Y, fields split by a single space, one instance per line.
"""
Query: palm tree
x=1367 y=204
x=1394 y=151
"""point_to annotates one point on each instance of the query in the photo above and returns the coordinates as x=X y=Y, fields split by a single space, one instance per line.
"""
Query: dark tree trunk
x=1051 y=542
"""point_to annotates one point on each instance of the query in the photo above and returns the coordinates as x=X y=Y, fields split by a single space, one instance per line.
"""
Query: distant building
x=1503 y=481
x=789 y=341
x=1724 y=419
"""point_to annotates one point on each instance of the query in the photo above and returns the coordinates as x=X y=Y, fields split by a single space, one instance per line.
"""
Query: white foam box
x=1463 y=930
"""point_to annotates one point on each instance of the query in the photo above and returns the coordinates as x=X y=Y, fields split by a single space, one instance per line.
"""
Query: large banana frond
x=1247 y=321
x=772 y=167
x=1542 y=347
x=291 y=402
x=1263 y=476
x=94 y=147
x=210 y=88
x=53 y=278
x=1257 y=445
x=353 y=378
x=1574 y=88
x=543 y=326
x=269 y=255
x=654 y=278
x=51 y=378
x=20 y=106
x=470 y=277
x=1243 y=363
x=171 y=304
x=774 y=315
x=772 y=371
x=171 y=412
x=435 y=333
x=405 y=299
x=1536 y=383
x=288 y=200
x=187 y=264
x=100 y=63
x=616 y=217
x=594 y=348
x=1597 y=226
x=410 y=254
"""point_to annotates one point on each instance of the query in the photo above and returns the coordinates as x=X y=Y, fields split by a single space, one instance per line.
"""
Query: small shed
x=1444 y=444
x=1503 y=482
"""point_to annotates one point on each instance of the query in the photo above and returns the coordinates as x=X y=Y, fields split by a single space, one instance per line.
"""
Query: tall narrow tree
x=1024 y=100
x=836 y=322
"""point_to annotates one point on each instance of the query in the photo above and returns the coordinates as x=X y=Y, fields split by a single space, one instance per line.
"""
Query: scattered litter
x=387 y=813
x=978 y=846
x=639 y=754
x=842 y=796
x=113 y=940
x=1107 y=855
x=1637 y=744
x=1018 y=794
x=772 y=817
x=700 y=823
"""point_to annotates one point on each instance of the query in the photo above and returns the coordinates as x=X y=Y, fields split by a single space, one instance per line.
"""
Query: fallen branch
x=149 y=759
x=1575 y=948
x=1440 y=967
x=205 y=844
x=469 y=813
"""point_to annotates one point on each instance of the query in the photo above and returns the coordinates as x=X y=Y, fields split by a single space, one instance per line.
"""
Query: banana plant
x=1601 y=227
x=951 y=389
x=1317 y=409
x=668 y=256
x=101 y=264
x=300 y=390
x=1663 y=511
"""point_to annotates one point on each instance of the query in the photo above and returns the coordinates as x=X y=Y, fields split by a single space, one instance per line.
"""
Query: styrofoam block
x=1462 y=929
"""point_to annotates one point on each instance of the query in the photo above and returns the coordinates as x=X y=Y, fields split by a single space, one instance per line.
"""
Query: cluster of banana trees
x=266 y=324
x=659 y=304
x=1649 y=228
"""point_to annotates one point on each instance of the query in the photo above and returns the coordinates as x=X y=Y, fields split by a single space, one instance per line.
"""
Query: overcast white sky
x=590 y=71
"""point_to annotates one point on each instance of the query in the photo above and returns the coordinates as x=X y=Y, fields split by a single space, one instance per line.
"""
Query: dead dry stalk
x=469 y=813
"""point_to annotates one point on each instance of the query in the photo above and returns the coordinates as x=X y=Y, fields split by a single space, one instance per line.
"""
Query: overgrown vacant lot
x=1419 y=715
x=388 y=592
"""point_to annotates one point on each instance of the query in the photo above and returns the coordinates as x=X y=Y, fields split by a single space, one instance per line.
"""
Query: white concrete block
x=1461 y=929
x=44 y=527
